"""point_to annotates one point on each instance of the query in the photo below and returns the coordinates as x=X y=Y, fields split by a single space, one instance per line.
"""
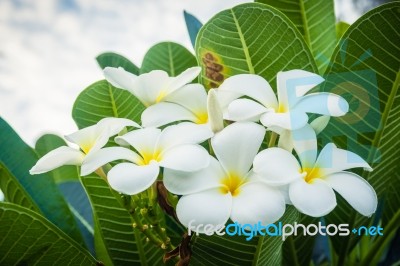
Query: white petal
x=184 y=78
x=120 y=78
x=206 y=207
x=236 y=145
x=333 y=160
x=164 y=113
x=143 y=140
x=315 y=199
x=305 y=144
x=285 y=140
x=186 y=157
x=104 y=156
x=131 y=179
x=214 y=111
x=192 y=96
x=257 y=202
x=355 y=190
x=183 y=133
x=289 y=120
x=116 y=125
x=293 y=84
x=58 y=157
x=245 y=110
x=253 y=86
x=320 y=123
x=183 y=183
x=323 y=103
x=276 y=166
x=86 y=137
x=151 y=87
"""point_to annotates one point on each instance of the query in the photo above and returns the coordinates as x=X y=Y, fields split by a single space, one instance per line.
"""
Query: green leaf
x=341 y=28
x=118 y=242
x=49 y=142
x=250 y=38
x=110 y=59
x=365 y=70
x=168 y=56
x=29 y=239
x=315 y=20
x=18 y=158
x=236 y=250
x=101 y=100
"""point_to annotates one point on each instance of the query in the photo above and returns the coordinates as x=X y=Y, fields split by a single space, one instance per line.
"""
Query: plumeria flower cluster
x=239 y=178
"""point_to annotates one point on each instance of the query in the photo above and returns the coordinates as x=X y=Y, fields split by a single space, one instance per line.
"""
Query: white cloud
x=48 y=50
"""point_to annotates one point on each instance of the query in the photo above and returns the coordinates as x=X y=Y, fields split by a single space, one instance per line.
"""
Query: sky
x=48 y=50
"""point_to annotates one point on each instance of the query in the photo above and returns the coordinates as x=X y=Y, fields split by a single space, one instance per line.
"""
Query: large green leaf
x=18 y=158
x=119 y=242
x=315 y=20
x=101 y=100
x=65 y=173
x=365 y=70
x=110 y=59
x=168 y=56
x=250 y=38
x=29 y=239
x=235 y=250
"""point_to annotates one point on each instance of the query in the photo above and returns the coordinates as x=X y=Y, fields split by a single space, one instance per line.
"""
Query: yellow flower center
x=160 y=96
x=231 y=184
x=86 y=147
x=282 y=109
x=147 y=157
x=310 y=174
x=201 y=118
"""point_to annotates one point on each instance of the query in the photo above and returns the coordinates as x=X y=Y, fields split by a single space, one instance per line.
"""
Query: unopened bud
x=215 y=115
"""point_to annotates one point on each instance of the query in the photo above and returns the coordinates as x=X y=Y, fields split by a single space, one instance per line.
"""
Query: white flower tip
x=320 y=123
x=34 y=171
x=337 y=106
x=215 y=114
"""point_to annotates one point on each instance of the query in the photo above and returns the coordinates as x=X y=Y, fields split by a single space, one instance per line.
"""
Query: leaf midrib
x=243 y=42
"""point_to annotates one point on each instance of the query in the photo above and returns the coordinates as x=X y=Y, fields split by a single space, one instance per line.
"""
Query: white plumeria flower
x=90 y=140
x=312 y=182
x=175 y=147
x=289 y=110
x=191 y=103
x=227 y=189
x=153 y=87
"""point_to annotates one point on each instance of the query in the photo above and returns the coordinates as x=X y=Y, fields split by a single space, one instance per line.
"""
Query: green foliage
x=315 y=20
x=341 y=28
x=116 y=240
x=365 y=70
x=241 y=40
x=115 y=60
x=101 y=100
x=17 y=157
x=29 y=239
x=168 y=56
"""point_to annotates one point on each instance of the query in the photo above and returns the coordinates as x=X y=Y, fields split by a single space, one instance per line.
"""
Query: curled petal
x=253 y=86
x=289 y=120
x=276 y=166
x=116 y=125
x=151 y=88
x=131 y=179
x=333 y=160
x=237 y=145
x=120 y=78
x=183 y=183
x=164 y=113
x=323 y=103
x=294 y=84
x=214 y=111
x=315 y=199
x=320 y=123
x=184 y=78
x=256 y=202
x=355 y=190
x=187 y=158
x=63 y=155
x=105 y=156
x=143 y=140
x=245 y=110
x=206 y=207
x=305 y=143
